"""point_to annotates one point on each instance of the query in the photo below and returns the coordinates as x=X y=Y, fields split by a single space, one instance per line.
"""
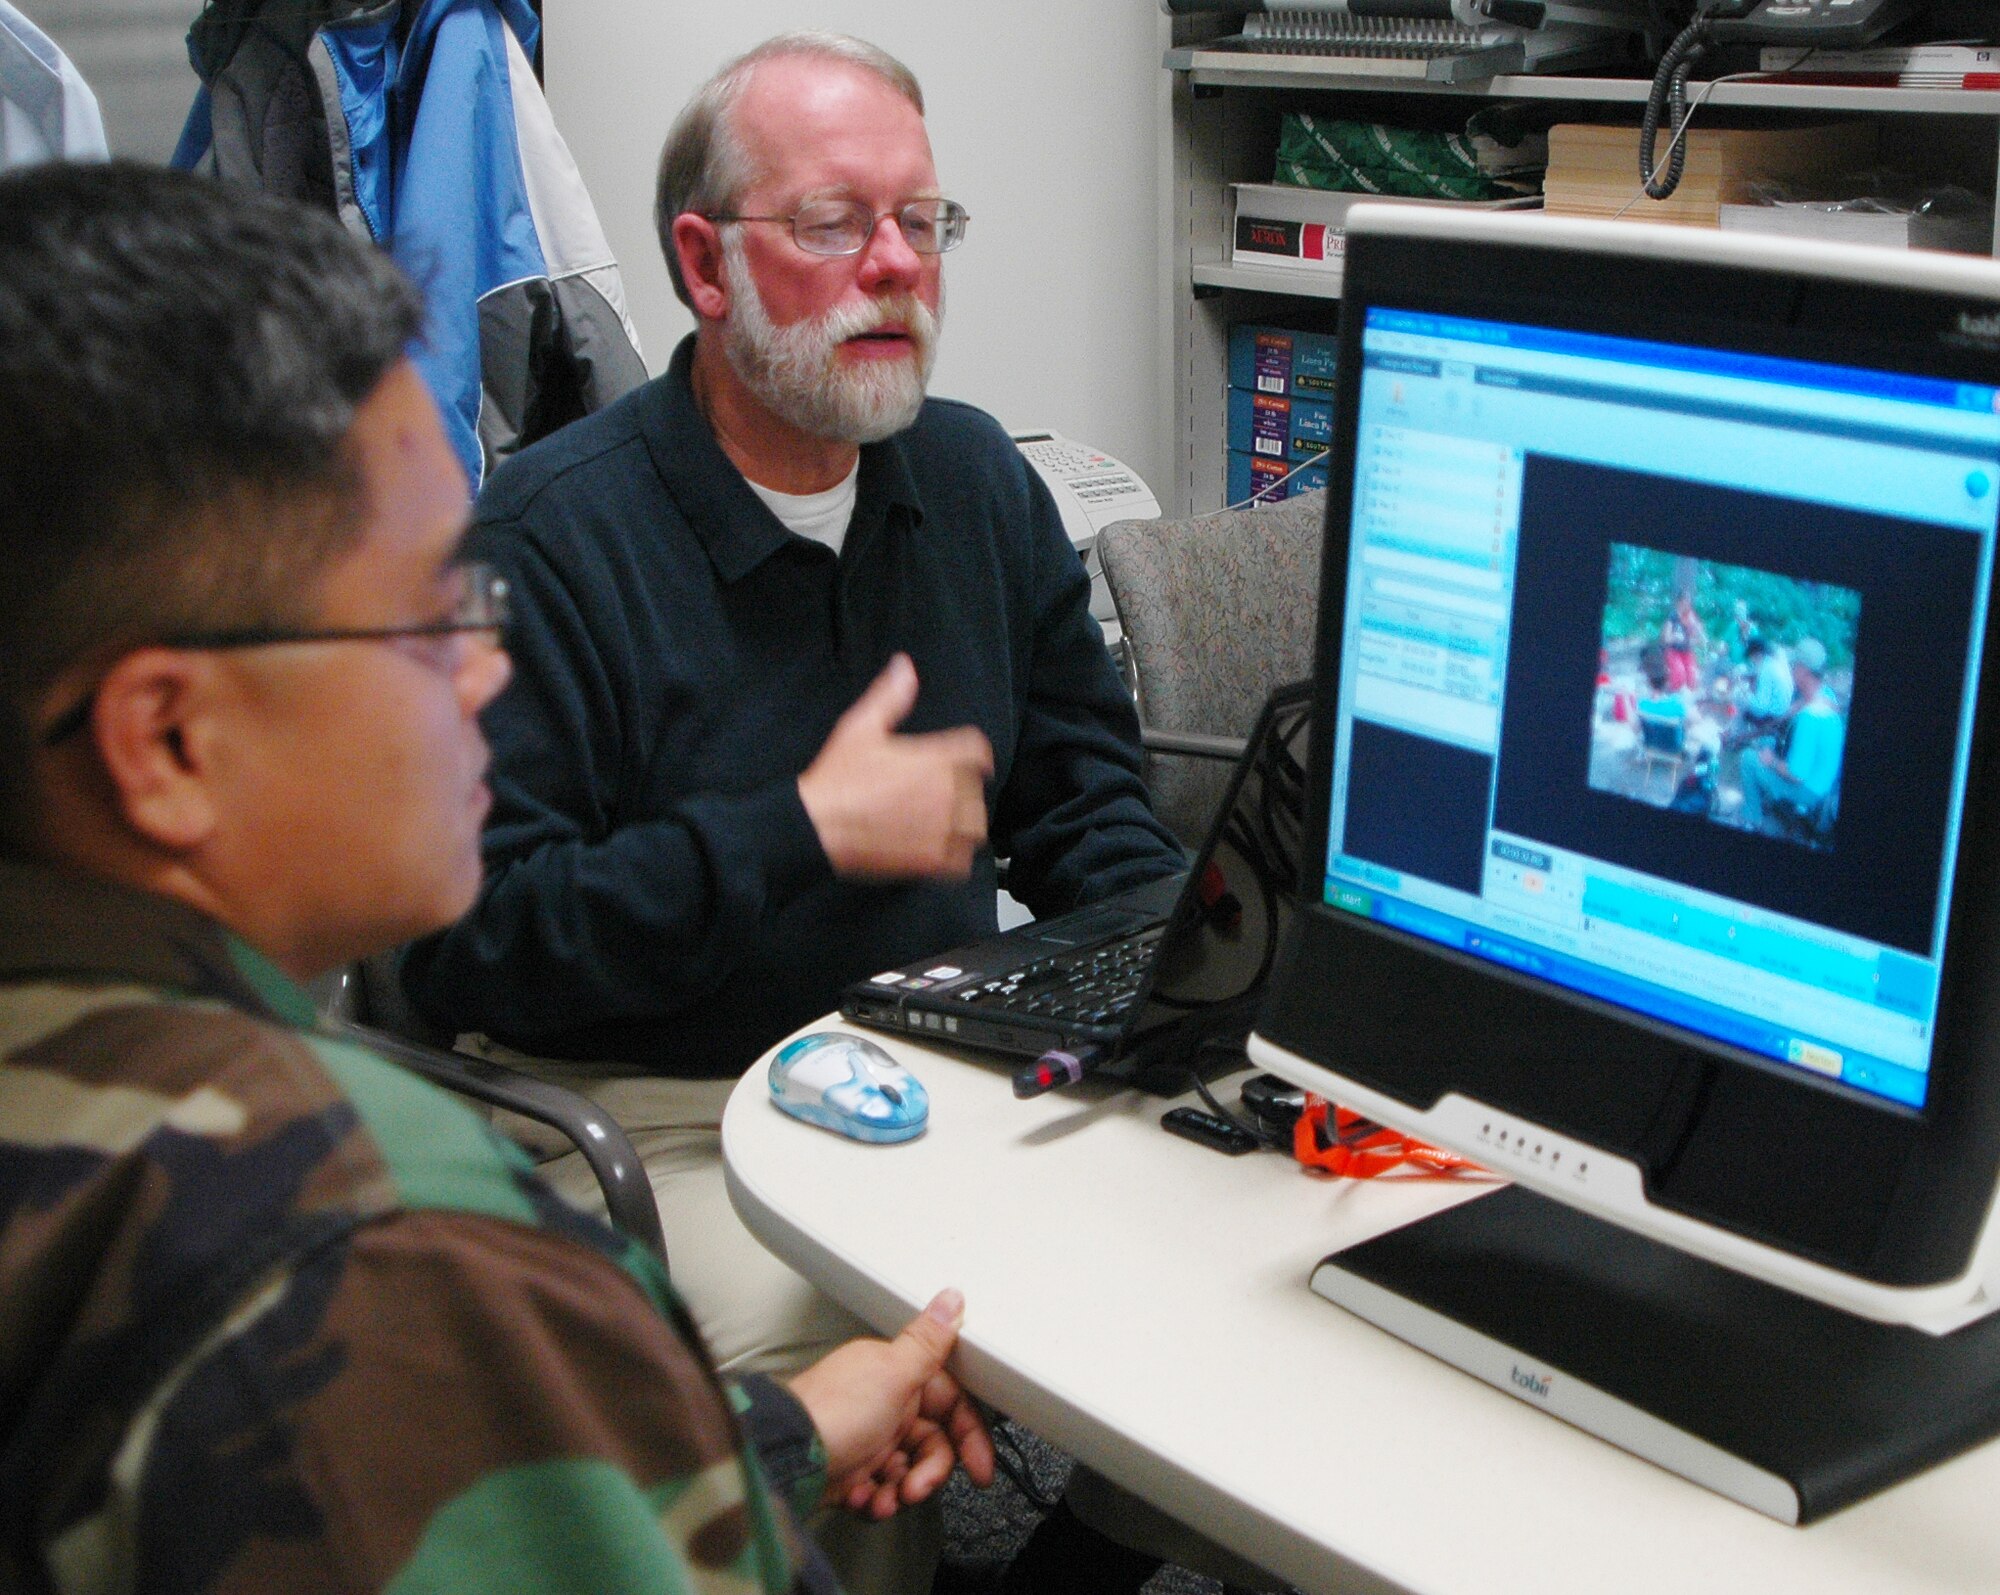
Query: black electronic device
x=1208 y=1130
x=1730 y=993
x=1140 y=982
x=1808 y=24
x=1275 y=1104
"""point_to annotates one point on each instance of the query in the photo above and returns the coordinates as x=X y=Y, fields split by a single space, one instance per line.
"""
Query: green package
x=1371 y=158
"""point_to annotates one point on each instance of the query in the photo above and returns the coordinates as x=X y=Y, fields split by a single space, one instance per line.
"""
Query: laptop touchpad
x=1073 y=930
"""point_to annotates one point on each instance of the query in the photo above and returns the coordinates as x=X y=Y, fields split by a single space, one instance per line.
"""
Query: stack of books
x=1594 y=169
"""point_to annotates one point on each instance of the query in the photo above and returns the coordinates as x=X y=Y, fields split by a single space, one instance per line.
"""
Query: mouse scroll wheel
x=890 y=1092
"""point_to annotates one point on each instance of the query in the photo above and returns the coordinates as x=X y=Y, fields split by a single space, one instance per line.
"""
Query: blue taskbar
x=1816 y=1054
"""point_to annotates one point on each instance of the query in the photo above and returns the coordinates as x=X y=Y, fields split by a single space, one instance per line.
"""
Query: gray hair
x=703 y=165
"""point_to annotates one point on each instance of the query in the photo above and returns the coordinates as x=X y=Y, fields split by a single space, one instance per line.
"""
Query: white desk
x=1142 y=1302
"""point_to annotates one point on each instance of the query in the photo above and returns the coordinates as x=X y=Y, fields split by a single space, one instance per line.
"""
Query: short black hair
x=180 y=365
x=1653 y=665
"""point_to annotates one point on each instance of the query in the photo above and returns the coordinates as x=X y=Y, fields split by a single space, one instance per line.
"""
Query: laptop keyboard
x=1094 y=987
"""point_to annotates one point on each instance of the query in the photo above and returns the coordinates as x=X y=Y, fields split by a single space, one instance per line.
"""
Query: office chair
x=366 y=1002
x=1217 y=610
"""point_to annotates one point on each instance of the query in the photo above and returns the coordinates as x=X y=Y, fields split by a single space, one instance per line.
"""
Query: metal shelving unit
x=1229 y=69
x=1225 y=107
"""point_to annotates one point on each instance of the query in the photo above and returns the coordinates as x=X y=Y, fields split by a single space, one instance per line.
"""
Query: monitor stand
x=1789 y=1406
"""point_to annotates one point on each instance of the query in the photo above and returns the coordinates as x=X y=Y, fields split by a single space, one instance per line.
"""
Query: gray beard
x=796 y=373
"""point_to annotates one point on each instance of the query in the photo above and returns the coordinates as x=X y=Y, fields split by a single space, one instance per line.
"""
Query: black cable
x=1265 y=1137
x=1208 y=1098
x=1669 y=97
x=1277 y=864
x=1007 y=1455
x=1272 y=855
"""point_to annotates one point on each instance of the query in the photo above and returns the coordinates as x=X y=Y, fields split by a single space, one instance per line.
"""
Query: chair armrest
x=628 y=1194
x=1194 y=743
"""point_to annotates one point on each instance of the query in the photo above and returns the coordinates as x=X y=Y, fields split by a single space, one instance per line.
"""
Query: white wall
x=1046 y=117
x=133 y=54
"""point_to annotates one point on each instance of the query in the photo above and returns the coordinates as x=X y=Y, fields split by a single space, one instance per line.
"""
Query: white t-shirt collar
x=823 y=517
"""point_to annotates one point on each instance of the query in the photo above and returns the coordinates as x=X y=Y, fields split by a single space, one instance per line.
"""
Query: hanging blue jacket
x=420 y=124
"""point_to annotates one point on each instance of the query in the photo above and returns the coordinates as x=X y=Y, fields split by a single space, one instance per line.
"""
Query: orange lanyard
x=1360 y=1149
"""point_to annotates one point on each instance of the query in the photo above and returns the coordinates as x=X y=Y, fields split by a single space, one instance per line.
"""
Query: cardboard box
x=1594 y=167
x=1272 y=428
x=1251 y=477
x=1281 y=361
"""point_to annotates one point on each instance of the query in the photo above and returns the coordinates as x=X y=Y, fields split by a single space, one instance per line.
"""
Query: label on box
x=1282 y=360
x=1309 y=243
x=1274 y=428
x=1272 y=362
x=1270 y=425
x=1252 y=480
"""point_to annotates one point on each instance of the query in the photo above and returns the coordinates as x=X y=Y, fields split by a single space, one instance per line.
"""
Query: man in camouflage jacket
x=273 y=1313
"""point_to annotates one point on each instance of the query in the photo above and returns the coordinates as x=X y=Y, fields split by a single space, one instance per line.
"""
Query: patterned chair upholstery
x=1217 y=611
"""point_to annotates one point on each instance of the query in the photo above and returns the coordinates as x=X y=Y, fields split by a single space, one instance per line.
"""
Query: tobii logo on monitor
x=1980 y=328
x=1537 y=1385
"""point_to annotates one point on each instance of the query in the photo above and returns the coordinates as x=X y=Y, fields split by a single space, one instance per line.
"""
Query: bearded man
x=797 y=652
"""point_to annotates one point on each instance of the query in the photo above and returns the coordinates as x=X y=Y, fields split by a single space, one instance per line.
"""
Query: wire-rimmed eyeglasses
x=482 y=605
x=844 y=226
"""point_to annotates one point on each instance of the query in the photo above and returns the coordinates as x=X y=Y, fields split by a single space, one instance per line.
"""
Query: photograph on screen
x=1899 y=691
x=1723 y=692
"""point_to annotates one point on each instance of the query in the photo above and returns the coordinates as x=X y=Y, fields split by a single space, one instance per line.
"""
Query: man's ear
x=698 y=247
x=155 y=729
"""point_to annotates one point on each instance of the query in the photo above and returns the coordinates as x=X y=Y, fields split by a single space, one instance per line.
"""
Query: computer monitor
x=1656 y=793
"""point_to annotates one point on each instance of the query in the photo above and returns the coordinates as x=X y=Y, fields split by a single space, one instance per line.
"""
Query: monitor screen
x=1655 y=783
x=1657 y=676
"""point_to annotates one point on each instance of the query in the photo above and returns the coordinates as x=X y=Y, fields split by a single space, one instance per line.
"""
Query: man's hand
x=892 y=1420
x=891 y=807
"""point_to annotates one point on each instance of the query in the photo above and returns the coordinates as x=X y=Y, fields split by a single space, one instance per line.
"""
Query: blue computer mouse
x=849 y=1085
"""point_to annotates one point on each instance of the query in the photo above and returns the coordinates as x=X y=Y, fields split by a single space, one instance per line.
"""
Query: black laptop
x=1149 y=975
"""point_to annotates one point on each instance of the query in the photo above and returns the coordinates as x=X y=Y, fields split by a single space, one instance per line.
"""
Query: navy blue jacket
x=655 y=892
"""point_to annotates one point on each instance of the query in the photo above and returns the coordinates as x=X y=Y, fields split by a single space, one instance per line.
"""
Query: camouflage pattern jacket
x=275 y=1315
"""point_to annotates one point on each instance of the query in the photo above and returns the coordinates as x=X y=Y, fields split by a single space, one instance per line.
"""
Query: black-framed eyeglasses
x=844 y=226
x=482 y=606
